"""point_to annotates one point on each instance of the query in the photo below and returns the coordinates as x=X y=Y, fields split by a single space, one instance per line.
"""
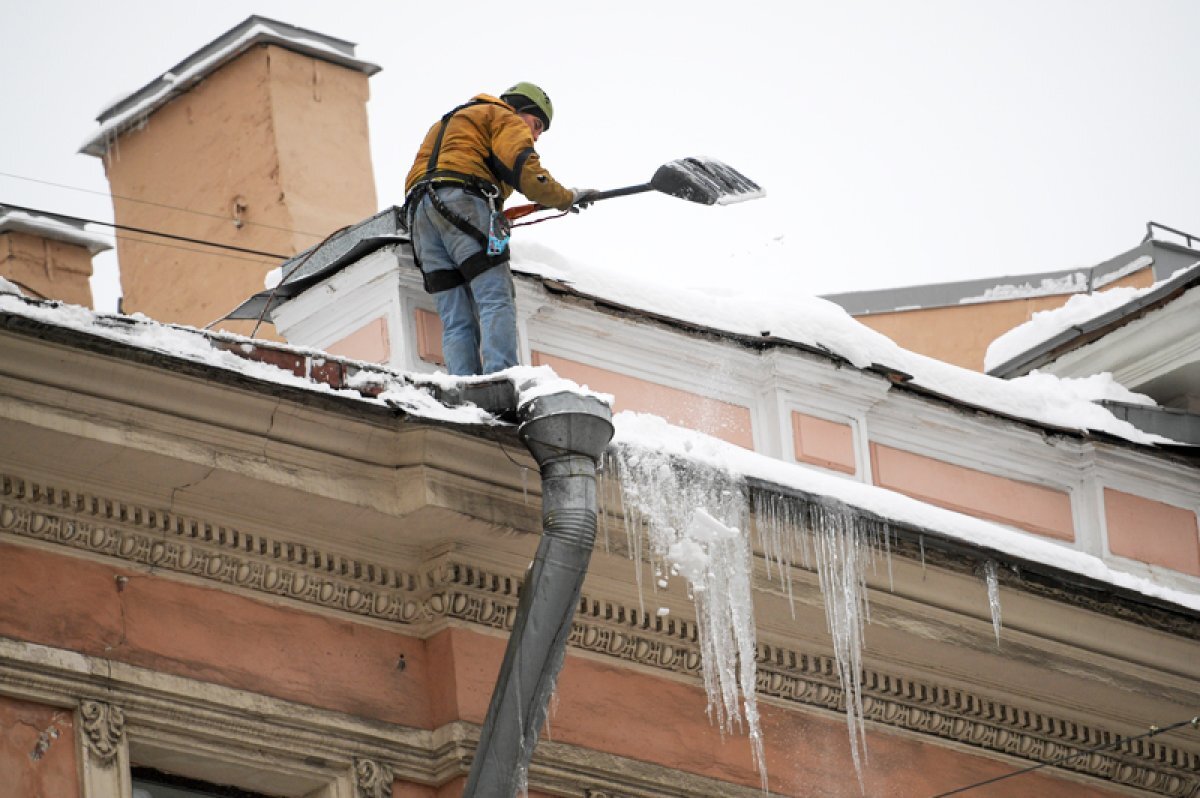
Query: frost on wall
x=692 y=521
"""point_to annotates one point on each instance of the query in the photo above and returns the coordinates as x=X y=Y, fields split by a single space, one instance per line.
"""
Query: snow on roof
x=53 y=228
x=787 y=312
x=1046 y=286
x=655 y=434
x=1079 y=309
x=405 y=392
x=131 y=110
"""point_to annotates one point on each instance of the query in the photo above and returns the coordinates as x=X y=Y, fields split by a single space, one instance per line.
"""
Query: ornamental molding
x=373 y=779
x=446 y=591
x=103 y=728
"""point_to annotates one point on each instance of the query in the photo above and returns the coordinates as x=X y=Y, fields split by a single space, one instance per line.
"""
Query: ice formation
x=993 y=591
x=687 y=521
x=692 y=521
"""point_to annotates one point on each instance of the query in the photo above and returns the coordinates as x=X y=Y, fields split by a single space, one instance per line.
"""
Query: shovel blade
x=705 y=180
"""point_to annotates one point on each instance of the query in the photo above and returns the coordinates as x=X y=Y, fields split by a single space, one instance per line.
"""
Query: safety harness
x=493 y=243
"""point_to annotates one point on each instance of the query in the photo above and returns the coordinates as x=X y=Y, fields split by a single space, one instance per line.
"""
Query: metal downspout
x=566 y=433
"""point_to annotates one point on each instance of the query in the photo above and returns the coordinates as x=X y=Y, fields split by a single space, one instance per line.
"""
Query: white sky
x=899 y=142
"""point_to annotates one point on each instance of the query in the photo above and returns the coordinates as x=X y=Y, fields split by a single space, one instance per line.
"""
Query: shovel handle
x=520 y=211
x=621 y=192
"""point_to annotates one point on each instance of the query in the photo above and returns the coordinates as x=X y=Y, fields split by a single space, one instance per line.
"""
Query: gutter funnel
x=566 y=433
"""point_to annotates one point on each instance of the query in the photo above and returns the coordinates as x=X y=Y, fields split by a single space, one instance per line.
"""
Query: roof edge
x=1093 y=329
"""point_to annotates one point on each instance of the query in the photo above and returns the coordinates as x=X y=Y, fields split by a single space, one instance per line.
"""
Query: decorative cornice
x=103 y=730
x=468 y=594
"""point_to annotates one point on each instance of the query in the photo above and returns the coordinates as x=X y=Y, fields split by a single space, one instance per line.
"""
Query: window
x=150 y=783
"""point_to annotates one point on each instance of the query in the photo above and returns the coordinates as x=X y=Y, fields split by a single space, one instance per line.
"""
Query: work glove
x=582 y=198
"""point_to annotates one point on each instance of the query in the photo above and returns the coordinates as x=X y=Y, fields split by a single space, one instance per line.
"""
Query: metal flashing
x=131 y=109
x=322 y=261
x=1093 y=329
x=1167 y=258
x=1178 y=425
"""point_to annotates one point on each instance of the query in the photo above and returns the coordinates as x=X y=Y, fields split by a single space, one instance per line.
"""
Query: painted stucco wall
x=37 y=750
x=330 y=662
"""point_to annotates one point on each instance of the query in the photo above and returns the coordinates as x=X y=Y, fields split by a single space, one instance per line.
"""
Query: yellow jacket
x=486 y=139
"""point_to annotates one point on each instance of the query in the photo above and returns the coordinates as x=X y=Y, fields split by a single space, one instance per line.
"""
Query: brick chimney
x=257 y=140
x=48 y=257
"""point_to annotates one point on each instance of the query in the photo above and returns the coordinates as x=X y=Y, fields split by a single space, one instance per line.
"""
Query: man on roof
x=469 y=163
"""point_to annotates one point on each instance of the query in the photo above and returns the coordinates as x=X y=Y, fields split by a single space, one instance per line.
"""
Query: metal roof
x=1167 y=258
x=1092 y=329
x=323 y=260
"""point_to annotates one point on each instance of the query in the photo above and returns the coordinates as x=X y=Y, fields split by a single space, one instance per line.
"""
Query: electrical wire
x=1194 y=722
x=155 y=204
x=184 y=249
x=144 y=231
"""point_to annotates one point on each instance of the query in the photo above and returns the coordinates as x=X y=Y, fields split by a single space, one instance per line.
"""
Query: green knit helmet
x=530 y=99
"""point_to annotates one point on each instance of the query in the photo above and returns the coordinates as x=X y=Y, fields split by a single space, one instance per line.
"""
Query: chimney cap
x=131 y=109
x=55 y=228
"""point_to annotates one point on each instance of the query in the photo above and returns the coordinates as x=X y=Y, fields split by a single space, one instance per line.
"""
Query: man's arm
x=512 y=145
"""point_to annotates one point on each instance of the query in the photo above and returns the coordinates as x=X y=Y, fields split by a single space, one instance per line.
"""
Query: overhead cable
x=144 y=231
x=155 y=204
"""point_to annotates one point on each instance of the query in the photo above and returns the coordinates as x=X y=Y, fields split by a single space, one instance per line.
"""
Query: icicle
x=833 y=542
x=686 y=520
x=993 y=590
x=841 y=560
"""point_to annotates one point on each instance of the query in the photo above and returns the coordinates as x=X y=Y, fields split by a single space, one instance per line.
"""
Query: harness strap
x=477 y=264
x=473 y=266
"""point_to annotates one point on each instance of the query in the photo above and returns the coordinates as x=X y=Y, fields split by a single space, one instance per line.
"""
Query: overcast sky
x=900 y=141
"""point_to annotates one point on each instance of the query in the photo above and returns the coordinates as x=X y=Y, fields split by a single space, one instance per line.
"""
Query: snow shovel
x=703 y=180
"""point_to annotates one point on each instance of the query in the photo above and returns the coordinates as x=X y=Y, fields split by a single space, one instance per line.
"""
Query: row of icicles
x=685 y=520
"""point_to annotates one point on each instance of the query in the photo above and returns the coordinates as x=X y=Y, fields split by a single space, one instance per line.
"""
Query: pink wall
x=429 y=337
x=1152 y=532
x=1022 y=504
x=723 y=420
x=369 y=342
x=822 y=442
x=37 y=750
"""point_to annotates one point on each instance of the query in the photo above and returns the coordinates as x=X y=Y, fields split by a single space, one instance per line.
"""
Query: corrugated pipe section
x=566 y=433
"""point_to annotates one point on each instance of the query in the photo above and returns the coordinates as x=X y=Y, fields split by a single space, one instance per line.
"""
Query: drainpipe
x=566 y=433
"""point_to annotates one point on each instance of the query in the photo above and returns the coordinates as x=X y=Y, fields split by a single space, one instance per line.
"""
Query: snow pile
x=1078 y=310
x=1096 y=388
x=10 y=288
x=1047 y=286
x=788 y=313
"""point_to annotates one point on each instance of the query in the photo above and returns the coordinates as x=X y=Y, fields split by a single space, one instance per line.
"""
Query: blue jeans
x=479 y=319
